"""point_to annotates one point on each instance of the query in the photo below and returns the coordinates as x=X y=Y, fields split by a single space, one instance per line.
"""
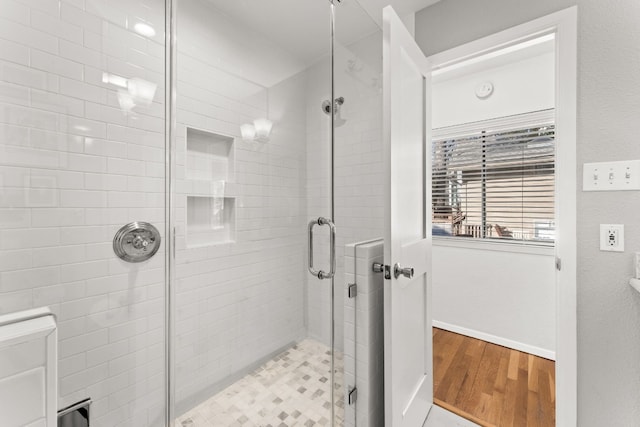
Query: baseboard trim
x=526 y=348
x=461 y=413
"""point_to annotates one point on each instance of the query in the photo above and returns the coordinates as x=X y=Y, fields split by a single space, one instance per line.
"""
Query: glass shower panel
x=249 y=75
x=359 y=210
x=82 y=154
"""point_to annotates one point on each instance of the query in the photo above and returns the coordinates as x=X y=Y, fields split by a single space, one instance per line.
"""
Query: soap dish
x=635 y=284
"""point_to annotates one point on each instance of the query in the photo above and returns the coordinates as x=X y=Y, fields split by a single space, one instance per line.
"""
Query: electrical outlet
x=612 y=237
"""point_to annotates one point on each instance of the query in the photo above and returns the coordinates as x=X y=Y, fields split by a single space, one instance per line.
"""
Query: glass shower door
x=242 y=350
x=257 y=157
x=254 y=156
x=359 y=212
x=81 y=155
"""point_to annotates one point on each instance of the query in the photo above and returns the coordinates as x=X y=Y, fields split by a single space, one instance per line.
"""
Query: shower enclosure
x=227 y=126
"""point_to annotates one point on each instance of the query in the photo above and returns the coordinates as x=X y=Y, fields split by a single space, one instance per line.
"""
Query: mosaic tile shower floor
x=292 y=389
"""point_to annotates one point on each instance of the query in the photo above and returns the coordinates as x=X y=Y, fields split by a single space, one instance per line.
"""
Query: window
x=496 y=179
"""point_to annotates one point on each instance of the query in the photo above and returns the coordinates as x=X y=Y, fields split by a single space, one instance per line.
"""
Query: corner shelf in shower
x=211 y=194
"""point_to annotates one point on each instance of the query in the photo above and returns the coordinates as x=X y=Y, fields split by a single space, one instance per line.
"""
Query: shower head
x=326 y=105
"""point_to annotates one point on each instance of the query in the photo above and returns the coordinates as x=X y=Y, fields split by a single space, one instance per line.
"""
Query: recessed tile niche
x=209 y=156
x=210 y=220
x=209 y=171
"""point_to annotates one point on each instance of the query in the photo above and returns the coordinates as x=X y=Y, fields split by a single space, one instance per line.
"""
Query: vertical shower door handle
x=332 y=248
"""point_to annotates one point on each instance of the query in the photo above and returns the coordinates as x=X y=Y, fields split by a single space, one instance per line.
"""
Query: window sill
x=499 y=246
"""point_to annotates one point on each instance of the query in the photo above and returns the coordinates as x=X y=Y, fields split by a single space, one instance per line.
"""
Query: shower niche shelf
x=210 y=156
x=211 y=203
x=204 y=188
x=210 y=220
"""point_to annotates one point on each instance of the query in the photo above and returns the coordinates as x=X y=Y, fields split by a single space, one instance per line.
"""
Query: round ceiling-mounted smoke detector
x=484 y=90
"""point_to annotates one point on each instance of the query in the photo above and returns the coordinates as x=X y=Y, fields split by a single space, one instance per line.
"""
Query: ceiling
x=302 y=26
x=402 y=7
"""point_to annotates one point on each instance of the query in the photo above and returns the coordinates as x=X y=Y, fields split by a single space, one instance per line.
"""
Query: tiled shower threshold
x=291 y=389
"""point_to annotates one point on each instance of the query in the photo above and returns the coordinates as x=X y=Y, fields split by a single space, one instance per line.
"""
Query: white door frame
x=564 y=25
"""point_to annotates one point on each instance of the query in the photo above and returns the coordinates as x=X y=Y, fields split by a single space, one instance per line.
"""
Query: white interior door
x=407 y=304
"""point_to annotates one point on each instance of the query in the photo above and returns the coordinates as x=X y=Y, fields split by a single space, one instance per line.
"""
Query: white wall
x=488 y=291
x=73 y=169
x=238 y=302
x=496 y=294
x=608 y=111
x=235 y=48
x=358 y=165
x=318 y=193
x=521 y=86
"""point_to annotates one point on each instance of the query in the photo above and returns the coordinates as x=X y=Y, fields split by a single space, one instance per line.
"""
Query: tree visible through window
x=496 y=179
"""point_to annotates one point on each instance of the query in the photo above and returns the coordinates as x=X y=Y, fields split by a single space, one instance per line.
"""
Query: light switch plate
x=612 y=237
x=611 y=176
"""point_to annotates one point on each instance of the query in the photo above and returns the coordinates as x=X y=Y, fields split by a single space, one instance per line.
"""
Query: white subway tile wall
x=364 y=335
x=239 y=302
x=240 y=282
x=82 y=153
x=77 y=161
x=359 y=208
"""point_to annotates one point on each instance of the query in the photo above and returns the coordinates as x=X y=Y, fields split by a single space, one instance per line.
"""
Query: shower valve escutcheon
x=136 y=242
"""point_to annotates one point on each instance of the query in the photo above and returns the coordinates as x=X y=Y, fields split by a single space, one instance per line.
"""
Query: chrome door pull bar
x=332 y=248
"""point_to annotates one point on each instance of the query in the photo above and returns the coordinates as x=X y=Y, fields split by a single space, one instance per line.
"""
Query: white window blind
x=495 y=179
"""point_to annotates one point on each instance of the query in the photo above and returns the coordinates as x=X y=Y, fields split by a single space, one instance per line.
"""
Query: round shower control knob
x=140 y=242
x=136 y=242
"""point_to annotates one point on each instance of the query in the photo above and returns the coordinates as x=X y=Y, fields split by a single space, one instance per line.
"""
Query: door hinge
x=352 y=290
x=558 y=264
x=353 y=396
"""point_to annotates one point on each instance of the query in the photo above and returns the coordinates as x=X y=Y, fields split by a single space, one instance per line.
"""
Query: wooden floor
x=492 y=385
